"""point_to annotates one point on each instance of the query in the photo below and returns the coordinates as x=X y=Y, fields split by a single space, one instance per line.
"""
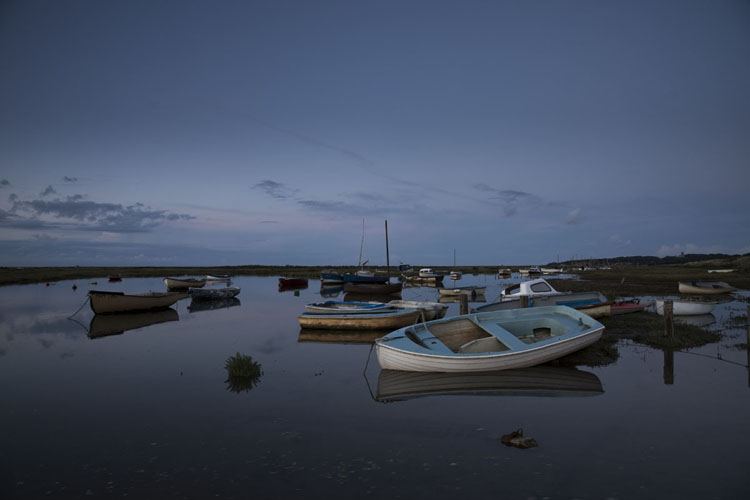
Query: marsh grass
x=243 y=374
x=648 y=329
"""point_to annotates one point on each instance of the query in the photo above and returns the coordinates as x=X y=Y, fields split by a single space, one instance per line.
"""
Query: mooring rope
x=79 y=309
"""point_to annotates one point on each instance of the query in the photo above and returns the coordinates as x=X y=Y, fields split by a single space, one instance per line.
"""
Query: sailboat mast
x=387 y=254
x=362 y=245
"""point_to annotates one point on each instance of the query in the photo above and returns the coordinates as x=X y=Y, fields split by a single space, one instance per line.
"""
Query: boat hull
x=117 y=302
x=685 y=308
x=179 y=284
x=377 y=321
x=467 y=290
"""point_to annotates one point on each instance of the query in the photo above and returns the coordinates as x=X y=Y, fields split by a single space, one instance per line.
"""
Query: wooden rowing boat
x=497 y=340
x=116 y=302
x=377 y=321
x=184 y=283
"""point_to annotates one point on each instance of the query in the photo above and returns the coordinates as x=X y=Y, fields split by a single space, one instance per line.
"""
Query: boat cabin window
x=513 y=290
x=541 y=287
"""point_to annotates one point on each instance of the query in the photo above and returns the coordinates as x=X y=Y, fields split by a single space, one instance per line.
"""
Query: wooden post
x=387 y=254
x=464 y=299
x=668 y=323
x=524 y=301
x=747 y=340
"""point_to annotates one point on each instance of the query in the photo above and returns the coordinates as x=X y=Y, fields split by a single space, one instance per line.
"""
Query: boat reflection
x=104 y=325
x=370 y=297
x=331 y=290
x=698 y=320
x=448 y=299
x=340 y=336
x=210 y=305
x=538 y=381
x=291 y=287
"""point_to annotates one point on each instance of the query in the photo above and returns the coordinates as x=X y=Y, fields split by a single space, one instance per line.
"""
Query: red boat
x=292 y=283
x=626 y=307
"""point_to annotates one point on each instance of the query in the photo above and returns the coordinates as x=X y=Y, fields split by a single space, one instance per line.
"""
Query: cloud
x=509 y=199
x=74 y=212
x=69 y=179
x=50 y=190
x=618 y=241
x=4 y=183
x=275 y=189
x=574 y=217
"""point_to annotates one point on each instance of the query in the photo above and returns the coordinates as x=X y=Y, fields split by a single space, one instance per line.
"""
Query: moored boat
x=116 y=302
x=456 y=275
x=218 y=277
x=532 y=288
x=184 y=283
x=213 y=293
x=331 y=277
x=340 y=307
x=685 y=307
x=364 y=277
x=428 y=310
x=376 y=321
x=504 y=272
x=114 y=277
x=705 y=287
x=627 y=306
x=497 y=340
x=595 y=304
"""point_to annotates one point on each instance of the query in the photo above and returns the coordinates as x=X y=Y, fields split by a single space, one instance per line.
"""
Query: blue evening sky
x=264 y=132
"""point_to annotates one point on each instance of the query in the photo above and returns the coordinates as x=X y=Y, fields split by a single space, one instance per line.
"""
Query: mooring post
x=524 y=301
x=464 y=300
x=747 y=343
x=668 y=323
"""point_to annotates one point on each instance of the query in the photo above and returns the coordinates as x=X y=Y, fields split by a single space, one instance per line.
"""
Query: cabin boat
x=497 y=340
x=427 y=272
x=213 y=293
x=504 y=272
x=455 y=275
x=533 y=288
x=594 y=304
x=117 y=302
x=376 y=321
x=530 y=271
x=686 y=307
x=331 y=277
x=705 y=287
x=184 y=283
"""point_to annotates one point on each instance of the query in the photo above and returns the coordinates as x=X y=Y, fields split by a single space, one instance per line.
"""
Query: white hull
x=469 y=290
x=430 y=310
x=685 y=308
x=394 y=359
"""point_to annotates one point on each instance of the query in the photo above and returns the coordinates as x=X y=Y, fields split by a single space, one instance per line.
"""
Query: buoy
x=75 y=287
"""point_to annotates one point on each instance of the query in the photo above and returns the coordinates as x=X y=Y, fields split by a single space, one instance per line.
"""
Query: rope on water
x=79 y=309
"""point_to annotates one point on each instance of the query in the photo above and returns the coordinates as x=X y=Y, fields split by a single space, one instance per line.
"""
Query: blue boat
x=331 y=277
x=364 y=277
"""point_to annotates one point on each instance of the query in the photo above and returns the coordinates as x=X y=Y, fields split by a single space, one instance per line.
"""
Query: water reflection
x=339 y=337
x=539 y=381
x=211 y=305
x=370 y=297
x=700 y=320
x=243 y=374
x=104 y=325
x=331 y=290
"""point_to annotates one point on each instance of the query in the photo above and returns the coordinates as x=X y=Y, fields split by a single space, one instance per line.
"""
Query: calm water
x=147 y=413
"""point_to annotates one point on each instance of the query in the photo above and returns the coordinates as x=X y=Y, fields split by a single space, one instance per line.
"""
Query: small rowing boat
x=685 y=307
x=376 y=321
x=184 y=283
x=116 y=302
x=213 y=293
x=497 y=340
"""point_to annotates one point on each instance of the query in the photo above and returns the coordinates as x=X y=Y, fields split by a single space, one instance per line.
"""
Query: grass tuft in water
x=243 y=373
x=648 y=329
